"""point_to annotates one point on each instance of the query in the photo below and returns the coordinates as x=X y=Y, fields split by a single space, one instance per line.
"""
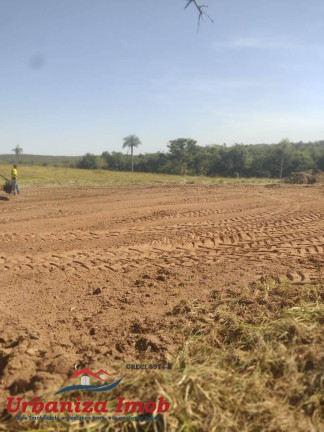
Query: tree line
x=186 y=157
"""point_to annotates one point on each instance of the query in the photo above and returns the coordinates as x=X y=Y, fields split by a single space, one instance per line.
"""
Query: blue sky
x=77 y=76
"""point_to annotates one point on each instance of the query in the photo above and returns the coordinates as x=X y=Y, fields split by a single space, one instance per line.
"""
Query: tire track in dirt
x=244 y=221
x=257 y=233
x=275 y=241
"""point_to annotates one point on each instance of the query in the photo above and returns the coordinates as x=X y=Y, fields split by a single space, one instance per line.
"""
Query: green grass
x=250 y=362
x=35 y=175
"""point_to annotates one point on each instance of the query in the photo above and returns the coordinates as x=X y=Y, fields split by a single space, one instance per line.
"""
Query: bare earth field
x=96 y=275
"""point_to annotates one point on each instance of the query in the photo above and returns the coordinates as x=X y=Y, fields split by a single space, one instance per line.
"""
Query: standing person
x=14 y=180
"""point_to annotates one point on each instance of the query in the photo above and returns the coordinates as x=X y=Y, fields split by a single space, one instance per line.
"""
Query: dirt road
x=97 y=274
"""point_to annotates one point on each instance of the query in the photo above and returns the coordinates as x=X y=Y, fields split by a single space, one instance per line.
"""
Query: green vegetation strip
x=37 y=175
x=251 y=362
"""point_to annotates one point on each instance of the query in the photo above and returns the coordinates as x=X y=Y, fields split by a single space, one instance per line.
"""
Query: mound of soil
x=300 y=178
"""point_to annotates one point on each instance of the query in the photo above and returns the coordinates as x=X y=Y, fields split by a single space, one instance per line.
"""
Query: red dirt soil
x=92 y=275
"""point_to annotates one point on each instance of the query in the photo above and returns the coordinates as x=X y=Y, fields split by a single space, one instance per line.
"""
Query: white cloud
x=263 y=43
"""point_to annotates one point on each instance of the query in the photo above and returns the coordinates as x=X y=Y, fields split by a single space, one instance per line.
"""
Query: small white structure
x=102 y=376
x=85 y=380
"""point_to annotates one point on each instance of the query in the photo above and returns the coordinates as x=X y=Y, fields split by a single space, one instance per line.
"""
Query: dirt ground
x=92 y=275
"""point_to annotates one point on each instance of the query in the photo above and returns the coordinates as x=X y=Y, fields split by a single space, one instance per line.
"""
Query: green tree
x=89 y=161
x=300 y=161
x=131 y=141
x=115 y=161
x=18 y=150
x=182 y=152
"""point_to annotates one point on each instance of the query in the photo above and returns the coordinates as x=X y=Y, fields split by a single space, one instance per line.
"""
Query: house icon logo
x=101 y=378
x=86 y=373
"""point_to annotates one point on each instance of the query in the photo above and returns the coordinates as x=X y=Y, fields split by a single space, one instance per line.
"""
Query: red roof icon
x=87 y=372
x=102 y=372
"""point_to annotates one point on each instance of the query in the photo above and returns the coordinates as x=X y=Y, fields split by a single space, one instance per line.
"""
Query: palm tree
x=17 y=150
x=131 y=141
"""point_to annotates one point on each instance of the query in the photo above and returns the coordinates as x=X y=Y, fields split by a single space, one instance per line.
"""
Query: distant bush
x=89 y=161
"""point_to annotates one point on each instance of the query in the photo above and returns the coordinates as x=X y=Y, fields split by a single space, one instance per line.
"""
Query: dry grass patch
x=251 y=362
